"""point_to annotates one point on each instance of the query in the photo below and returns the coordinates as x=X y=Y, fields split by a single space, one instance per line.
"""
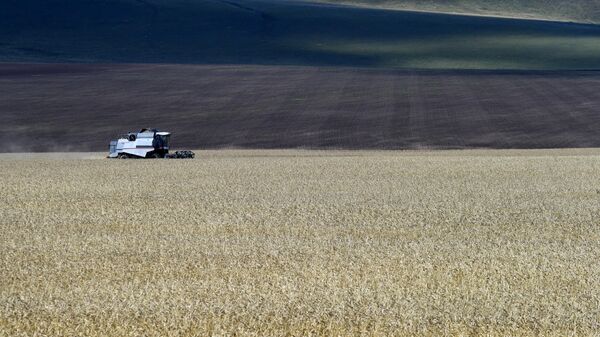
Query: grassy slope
x=587 y=11
x=281 y=32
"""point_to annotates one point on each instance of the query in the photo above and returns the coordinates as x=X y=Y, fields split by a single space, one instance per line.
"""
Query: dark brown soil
x=81 y=107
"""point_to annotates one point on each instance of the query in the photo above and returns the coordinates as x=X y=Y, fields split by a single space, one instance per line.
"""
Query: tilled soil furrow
x=56 y=108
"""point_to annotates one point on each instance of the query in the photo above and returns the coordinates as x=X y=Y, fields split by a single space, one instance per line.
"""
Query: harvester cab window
x=145 y=134
x=161 y=141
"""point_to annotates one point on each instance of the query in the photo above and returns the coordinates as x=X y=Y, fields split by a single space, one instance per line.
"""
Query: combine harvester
x=148 y=143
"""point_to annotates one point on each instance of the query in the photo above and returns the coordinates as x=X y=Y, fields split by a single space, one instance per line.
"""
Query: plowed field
x=81 y=107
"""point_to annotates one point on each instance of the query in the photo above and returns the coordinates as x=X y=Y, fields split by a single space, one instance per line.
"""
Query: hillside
x=584 y=11
x=81 y=107
x=283 y=33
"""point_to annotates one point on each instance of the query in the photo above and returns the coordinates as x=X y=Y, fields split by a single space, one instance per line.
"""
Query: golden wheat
x=302 y=243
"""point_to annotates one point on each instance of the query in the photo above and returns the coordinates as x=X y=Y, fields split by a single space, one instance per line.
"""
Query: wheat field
x=302 y=243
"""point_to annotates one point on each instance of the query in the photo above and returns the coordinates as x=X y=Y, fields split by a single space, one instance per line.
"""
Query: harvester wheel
x=157 y=156
x=123 y=156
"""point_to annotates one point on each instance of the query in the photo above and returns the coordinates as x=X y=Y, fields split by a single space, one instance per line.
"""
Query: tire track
x=503 y=100
x=568 y=101
x=416 y=115
x=481 y=119
x=555 y=122
x=399 y=114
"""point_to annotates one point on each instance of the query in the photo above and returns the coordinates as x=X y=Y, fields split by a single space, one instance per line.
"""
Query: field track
x=80 y=107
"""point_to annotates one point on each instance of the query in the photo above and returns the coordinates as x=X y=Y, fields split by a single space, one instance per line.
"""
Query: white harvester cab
x=148 y=143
